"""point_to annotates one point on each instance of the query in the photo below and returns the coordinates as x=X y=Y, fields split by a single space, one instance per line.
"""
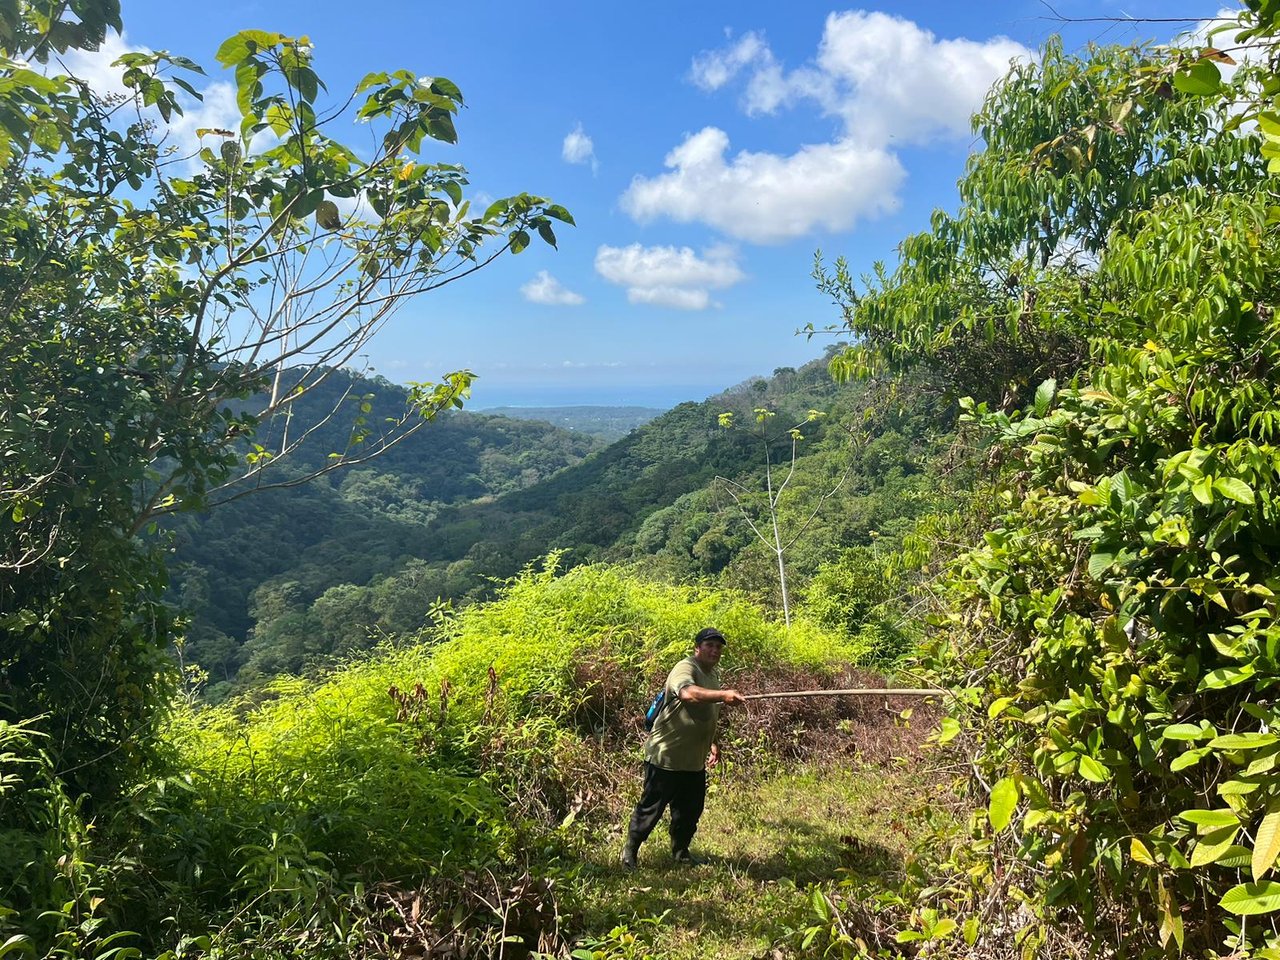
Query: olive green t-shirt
x=683 y=733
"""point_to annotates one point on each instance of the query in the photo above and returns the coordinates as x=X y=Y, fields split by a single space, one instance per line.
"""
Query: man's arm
x=692 y=693
x=696 y=694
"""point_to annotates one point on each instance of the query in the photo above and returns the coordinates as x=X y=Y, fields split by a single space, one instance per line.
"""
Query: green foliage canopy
x=1117 y=630
x=999 y=295
x=145 y=294
x=1113 y=639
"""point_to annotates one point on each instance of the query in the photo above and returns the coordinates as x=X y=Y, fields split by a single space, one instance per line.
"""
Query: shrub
x=330 y=771
x=1116 y=636
x=432 y=756
x=50 y=883
x=543 y=626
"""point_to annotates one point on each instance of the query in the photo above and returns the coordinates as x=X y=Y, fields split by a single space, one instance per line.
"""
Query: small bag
x=655 y=708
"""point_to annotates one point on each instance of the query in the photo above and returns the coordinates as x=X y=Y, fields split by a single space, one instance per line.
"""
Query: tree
x=762 y=513
x=1077 y=147
x=1112 y=638
x=147 y=291
x=1125 y=602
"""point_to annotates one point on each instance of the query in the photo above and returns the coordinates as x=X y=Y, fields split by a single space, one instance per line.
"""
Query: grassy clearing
x=767 y=839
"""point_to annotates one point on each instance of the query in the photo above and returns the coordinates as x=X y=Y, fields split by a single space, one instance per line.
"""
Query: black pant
x=685 y=791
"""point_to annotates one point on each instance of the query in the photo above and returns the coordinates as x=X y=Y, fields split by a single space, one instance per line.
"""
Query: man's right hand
x=733 y=696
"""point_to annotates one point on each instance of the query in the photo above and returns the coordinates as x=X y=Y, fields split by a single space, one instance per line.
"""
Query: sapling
x=771 y=535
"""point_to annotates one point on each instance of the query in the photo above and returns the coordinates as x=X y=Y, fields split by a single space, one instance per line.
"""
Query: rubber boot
x=630 y=852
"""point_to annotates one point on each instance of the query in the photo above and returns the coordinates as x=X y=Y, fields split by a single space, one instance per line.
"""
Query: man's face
x=708 y=652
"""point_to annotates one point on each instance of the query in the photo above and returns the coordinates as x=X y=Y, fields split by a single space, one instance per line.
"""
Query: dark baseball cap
x=708 y=633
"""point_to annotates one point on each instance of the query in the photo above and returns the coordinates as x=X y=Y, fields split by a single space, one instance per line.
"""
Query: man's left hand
x=714 y=756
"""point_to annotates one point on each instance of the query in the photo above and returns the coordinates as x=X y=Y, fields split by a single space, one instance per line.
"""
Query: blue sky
x=705 y=149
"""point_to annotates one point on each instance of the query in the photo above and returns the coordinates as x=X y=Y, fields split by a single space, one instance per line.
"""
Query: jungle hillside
x=302 y=663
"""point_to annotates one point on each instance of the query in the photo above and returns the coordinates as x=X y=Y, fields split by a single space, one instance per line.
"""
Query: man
x=680 y=748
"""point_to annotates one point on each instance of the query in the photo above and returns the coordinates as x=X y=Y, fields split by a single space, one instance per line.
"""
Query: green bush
x=544 y=626
x=1112 y=639
x=1120 y=637
x=860 y=595
x=419 y=759
x=326 y=770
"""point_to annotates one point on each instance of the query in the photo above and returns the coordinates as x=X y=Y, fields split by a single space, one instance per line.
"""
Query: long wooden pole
x=847 y=693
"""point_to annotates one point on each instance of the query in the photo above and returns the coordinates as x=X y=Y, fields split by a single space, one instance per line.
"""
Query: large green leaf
x=1234 y=488
x=1100 y=562
x=1093 y=770
x=1266 y=841
x=1249 y=899
x=821 y=908
x=1044 y=396
x=1214 y=845
x=1201 y=80
x=1243 y=741
x=1226 y=677
x=1186 y=731
x=948 y=730
x=1004 y=800
x=233 y=50
x=1210 y=818
x=1235 y=858
x=1188 y=759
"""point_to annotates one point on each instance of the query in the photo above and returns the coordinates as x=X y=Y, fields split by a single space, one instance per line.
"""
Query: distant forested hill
x=286 y=576
x=350 y=525
x=607 y=423
x=605 y=499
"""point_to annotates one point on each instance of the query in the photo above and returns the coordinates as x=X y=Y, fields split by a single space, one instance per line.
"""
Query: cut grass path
x=767 y=838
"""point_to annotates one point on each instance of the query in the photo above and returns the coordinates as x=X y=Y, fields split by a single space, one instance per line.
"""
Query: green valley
x=285 y=578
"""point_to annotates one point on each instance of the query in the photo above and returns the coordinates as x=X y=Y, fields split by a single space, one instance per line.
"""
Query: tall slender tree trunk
x=778 y=548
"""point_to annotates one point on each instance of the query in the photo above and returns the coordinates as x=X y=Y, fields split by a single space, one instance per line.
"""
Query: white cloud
x=764 y=197
x=886 y=76
x=578 y=148
x=94 y=66
x=712 y=69
x=218 y=111
x=883 y=76
x=887 y=80
x=669 y=276
x=767 y=86
x=546 y=289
